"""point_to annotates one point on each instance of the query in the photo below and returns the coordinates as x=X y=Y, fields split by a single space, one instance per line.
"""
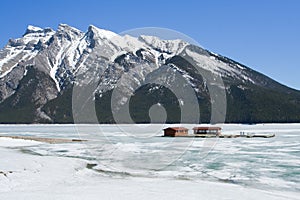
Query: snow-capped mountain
x=39 y=70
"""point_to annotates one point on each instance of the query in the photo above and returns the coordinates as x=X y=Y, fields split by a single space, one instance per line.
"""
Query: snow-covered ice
x=236 y=168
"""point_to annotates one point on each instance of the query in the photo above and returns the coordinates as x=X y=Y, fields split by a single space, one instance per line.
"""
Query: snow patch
x=217 y=67
x=34 y=28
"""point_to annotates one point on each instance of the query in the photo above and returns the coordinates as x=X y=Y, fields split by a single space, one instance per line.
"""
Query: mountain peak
x=67 y=28
x=101 y=33
x=34 y=29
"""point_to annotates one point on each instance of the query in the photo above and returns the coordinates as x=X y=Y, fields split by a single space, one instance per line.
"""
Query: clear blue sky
x=262 y=34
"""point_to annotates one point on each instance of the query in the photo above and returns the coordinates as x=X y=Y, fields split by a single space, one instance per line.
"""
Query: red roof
x=207 y=128
x=177 y=128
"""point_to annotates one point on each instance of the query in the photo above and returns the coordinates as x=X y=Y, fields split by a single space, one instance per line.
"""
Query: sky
x=262 y=34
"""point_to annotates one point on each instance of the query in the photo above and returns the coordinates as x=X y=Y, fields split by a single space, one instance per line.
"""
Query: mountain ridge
x=39 y=71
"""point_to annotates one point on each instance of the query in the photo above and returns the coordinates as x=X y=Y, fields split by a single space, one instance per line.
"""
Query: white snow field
x=116 y=163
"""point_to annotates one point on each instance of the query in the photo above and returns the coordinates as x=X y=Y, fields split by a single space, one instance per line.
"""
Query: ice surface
x=235 y=168
x=9 y=142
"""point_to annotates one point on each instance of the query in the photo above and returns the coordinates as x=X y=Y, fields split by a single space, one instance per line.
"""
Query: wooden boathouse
x=175 y=131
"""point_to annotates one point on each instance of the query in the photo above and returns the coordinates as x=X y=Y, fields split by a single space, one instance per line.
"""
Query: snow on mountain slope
x=112 y=43
x=23 y=49
x=211 y=63
x=68 y=52
x=61 y=52
x=164 y=46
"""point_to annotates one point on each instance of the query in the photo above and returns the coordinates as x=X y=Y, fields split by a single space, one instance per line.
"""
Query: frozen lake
x=133 y=161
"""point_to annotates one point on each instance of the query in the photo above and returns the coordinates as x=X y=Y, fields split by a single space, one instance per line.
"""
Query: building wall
x=170 y=133
x=181 y=133
x=173 y=133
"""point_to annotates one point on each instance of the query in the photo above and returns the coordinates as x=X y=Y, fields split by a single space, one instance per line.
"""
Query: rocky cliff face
x=39 y=71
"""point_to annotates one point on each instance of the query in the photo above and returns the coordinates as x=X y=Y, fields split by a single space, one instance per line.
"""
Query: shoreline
x=42 y=139
x=117 y=124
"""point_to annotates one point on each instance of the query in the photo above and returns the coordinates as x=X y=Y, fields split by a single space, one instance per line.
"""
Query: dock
x=224 y=136
x=210 y=132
